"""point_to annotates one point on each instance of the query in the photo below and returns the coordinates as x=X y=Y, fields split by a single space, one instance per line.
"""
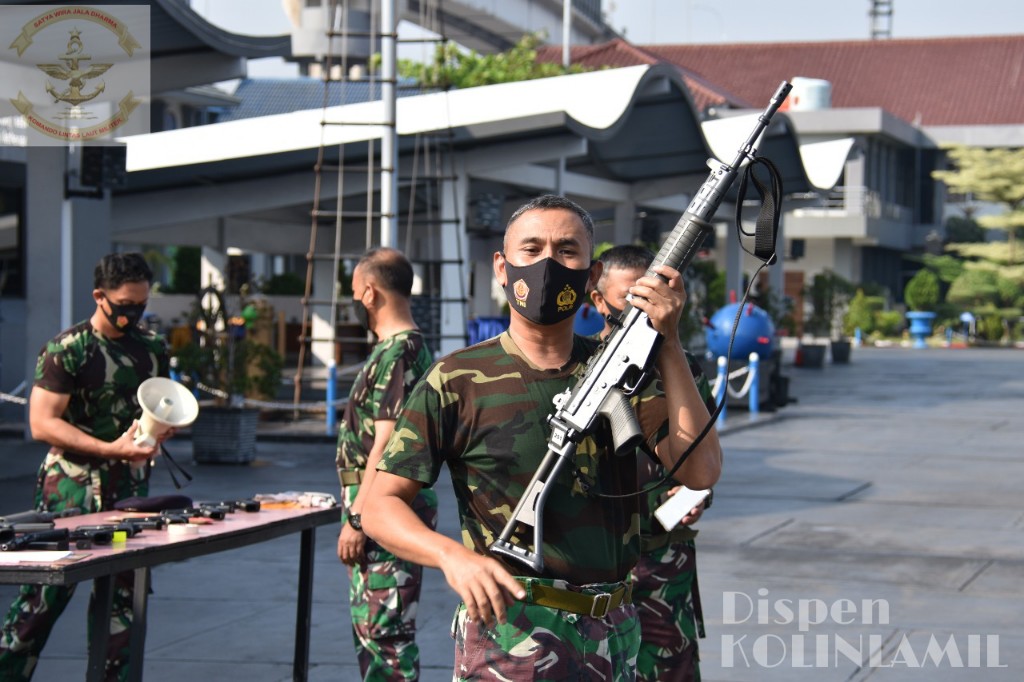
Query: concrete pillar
x=320 y=314
x=64 y=239
x=733 y=262
x=625 y=222
x=44 y=198
x=212 y=268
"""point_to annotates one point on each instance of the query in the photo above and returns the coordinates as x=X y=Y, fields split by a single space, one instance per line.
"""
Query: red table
x=154 y=547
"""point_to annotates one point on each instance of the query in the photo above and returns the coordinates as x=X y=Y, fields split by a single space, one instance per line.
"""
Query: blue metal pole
x=332 y=390
x=723 y=389
x=754 y=399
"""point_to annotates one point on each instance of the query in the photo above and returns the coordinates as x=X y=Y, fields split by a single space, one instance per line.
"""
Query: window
x=12 y=229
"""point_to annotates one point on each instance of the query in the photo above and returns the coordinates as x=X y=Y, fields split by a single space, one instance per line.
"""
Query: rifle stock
x=623 y=363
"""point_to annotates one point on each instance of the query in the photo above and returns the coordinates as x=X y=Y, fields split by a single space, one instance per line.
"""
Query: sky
x=736 y=21
x=706 y=21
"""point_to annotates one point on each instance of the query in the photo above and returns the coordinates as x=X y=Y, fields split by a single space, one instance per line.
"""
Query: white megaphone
x=165 y=404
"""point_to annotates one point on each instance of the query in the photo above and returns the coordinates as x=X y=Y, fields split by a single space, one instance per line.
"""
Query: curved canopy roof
x=639 y=124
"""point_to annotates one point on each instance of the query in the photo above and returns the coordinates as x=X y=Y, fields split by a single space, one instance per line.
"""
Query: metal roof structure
x=626 y=134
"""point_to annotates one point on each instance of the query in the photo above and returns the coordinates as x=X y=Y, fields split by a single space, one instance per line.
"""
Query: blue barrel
x=588 y=321
x=483 y=328
x=755 y=333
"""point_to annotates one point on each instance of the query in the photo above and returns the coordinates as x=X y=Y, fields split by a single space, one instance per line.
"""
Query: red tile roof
x=944 y=81
x=618 y=53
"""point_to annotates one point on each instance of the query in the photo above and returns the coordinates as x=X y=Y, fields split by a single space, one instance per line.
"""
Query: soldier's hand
x=662 y=300
x=694 y=514
x=351 y=546
x=124 y=448
x=483 y=583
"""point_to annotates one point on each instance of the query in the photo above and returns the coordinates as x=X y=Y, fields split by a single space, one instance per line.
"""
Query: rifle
x=246 y=505
x=622 y=365
x=37 y=517
x=44 y=539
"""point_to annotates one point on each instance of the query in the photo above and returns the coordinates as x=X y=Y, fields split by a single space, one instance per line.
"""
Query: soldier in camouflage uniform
x=482 y=412
x=84 y=404
x=384 y=591
x=665 y=578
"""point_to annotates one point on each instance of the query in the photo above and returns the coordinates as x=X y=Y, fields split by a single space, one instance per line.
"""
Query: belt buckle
x=599 y=609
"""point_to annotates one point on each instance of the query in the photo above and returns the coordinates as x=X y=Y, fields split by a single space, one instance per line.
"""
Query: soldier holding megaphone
x=84 y=404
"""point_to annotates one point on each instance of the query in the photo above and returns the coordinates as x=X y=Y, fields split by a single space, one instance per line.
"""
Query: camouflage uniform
x=384 y=592
x=482 y=412
x=665 y=582
x=102 y=376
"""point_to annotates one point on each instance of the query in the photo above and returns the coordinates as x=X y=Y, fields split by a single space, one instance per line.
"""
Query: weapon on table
x=40 y=517
x=7 y=530
x=215 y=513
x=45 y=539
x=247 y=505
x=623 y=363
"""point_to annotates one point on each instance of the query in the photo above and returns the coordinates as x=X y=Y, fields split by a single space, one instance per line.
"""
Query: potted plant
x=224 y=361
x=921 y=295
x=828 y=294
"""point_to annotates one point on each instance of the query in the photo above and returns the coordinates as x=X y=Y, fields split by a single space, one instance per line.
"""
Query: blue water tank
x=755 y=333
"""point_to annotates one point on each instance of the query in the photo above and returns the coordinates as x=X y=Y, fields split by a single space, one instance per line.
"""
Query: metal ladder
x=430 y=153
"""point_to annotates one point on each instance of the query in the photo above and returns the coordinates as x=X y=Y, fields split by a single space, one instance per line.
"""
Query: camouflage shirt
x=651 y=471
x=101 y=375
x=482 y=412
x=393 y=368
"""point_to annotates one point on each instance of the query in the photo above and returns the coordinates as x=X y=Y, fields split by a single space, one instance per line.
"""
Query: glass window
x=12 y=236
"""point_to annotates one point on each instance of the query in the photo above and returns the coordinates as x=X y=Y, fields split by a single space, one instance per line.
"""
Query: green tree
x=974 y=287
x=187 y=264
x=964 y=230
x=452 y=67
x=861 y=313
x=992 y=175
x=922 y=291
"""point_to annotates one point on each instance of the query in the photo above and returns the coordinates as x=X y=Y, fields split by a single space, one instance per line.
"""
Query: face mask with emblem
x=126 y=316
x=545 y=292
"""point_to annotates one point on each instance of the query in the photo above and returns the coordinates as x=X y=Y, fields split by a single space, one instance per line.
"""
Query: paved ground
x=878 y=515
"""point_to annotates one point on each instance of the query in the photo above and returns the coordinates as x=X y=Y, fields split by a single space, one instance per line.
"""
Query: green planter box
x=225 y=435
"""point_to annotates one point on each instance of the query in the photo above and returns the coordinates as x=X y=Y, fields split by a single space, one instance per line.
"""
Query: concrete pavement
x=878 y=516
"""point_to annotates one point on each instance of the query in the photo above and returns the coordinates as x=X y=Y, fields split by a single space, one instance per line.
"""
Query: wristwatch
x=356 y=521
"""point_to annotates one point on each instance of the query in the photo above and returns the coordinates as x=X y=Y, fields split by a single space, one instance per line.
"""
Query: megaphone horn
x=165 y=404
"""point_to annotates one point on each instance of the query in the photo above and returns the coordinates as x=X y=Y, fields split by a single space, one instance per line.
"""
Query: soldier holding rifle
x=482 y=412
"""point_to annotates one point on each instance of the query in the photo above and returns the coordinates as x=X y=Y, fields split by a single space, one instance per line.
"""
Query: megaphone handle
x=170 y=460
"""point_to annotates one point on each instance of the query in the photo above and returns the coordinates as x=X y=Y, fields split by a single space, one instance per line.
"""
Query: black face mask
x=124 y=317
x=361 y=313
x=545 y=292
x=613 y=312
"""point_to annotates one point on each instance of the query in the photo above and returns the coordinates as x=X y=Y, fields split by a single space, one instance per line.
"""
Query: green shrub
x=861 y=313
x=889 y=322
x=990 y=327
x=922 y=291
x=285 y=284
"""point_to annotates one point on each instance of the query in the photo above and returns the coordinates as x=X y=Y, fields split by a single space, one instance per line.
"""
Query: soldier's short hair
x=624 y=257
x=549 y=201
x=116 y=269
x=390 y=268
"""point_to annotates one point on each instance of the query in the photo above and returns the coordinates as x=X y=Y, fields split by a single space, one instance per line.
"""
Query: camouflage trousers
x=384 y=594
x=63 y=484
x=544 y=643
x=663 y=583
